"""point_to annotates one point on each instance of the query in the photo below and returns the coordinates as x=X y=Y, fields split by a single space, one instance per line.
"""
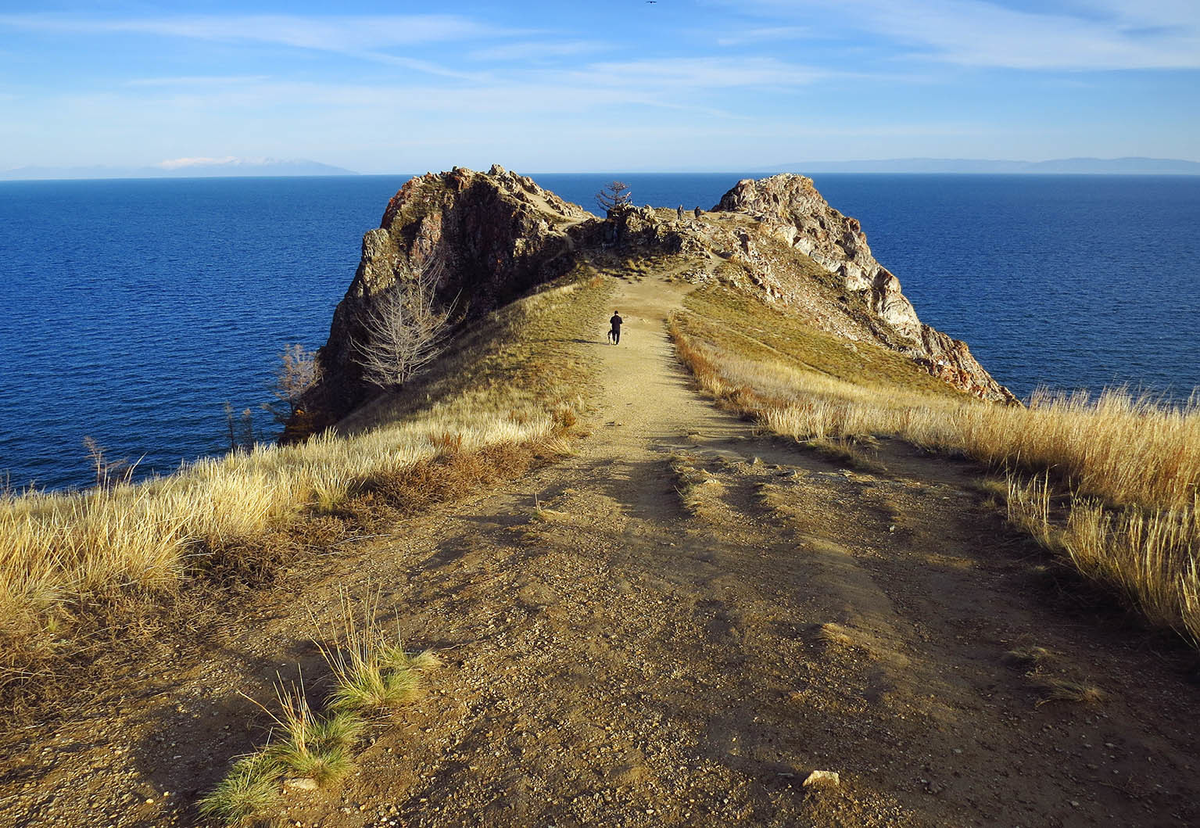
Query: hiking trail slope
x=675 y=627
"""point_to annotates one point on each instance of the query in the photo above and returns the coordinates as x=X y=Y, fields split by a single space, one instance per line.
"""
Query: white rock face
x=790 y=209
x=791 y=206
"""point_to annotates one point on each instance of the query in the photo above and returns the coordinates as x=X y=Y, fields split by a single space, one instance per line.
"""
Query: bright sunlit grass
x=1127 y=467
x=510 y=381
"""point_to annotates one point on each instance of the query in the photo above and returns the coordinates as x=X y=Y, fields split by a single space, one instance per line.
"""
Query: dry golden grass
x=513 y=381
x=835 y=634
x=1069 y=690
x=1110 y=482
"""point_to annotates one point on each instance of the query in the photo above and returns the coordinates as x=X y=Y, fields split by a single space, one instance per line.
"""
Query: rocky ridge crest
x=500 y=235
x=789 y=208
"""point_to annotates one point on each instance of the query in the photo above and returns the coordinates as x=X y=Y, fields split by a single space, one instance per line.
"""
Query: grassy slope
x=1120 y=477
x=72 y=565
x=734 y=322
x=526 y=356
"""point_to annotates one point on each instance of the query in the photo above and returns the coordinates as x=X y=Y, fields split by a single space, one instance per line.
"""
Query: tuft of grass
x=1038 y=664
x=1030 y=658
x=835 y=634
x=338 y=729
x=247 y=793
x=1029 y=507
x=312 y=747
x=372 y=670
x=544 y=514
x=845 y=453
x=1069 y=690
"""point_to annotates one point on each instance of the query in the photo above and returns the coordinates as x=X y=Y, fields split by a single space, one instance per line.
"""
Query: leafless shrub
x=297 y=373
x=405 y=328
x=241 y=430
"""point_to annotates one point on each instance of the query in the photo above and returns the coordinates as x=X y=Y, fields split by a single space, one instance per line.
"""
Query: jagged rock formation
x=500 y=234
x=789 y=208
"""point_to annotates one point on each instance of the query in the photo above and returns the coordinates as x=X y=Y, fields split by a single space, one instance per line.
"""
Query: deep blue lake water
x=136 y=309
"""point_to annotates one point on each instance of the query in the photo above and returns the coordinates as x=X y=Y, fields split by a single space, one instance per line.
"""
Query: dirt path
x=693 y=621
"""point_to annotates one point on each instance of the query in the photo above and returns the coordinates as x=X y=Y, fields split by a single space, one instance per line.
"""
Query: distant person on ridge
x=615 y=333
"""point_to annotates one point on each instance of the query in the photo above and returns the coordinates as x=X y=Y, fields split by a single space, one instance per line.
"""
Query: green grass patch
x=372 y=673
x=738 y=323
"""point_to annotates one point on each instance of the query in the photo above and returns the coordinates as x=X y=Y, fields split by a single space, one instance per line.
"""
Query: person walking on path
x=615 y=333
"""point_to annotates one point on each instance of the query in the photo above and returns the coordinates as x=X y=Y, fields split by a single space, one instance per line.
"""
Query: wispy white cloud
x=366 y=37
x=338 y=33
x=702 y=73
x=665 y=83
x=534 y=50
x=197 y=80
x=182 y=163
x=765 y=34
x=1086 y=35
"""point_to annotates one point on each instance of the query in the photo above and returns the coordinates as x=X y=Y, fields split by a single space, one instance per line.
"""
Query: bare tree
x=614 y=194
x=405 y=328
x=297 y=373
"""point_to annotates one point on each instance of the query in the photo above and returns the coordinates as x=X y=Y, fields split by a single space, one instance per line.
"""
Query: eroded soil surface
x=675 y=627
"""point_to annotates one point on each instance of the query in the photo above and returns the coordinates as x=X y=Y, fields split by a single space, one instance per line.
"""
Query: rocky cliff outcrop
x=499 y=234
x=789 y=208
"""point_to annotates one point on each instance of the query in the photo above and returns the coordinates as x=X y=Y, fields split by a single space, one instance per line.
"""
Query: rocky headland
x=499 y=234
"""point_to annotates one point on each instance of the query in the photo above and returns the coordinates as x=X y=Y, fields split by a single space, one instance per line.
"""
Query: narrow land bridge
x=646 y=651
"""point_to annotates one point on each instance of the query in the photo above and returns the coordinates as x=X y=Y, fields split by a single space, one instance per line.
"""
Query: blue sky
x=619 y=85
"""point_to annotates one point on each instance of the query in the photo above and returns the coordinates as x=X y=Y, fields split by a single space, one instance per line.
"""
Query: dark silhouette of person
x=615 y=333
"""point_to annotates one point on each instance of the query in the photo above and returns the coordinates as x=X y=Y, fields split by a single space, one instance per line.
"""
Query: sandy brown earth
x=675 y=627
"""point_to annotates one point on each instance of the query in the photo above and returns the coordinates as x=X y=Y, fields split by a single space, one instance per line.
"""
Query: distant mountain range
x=1060 y=166
x=183 y=168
